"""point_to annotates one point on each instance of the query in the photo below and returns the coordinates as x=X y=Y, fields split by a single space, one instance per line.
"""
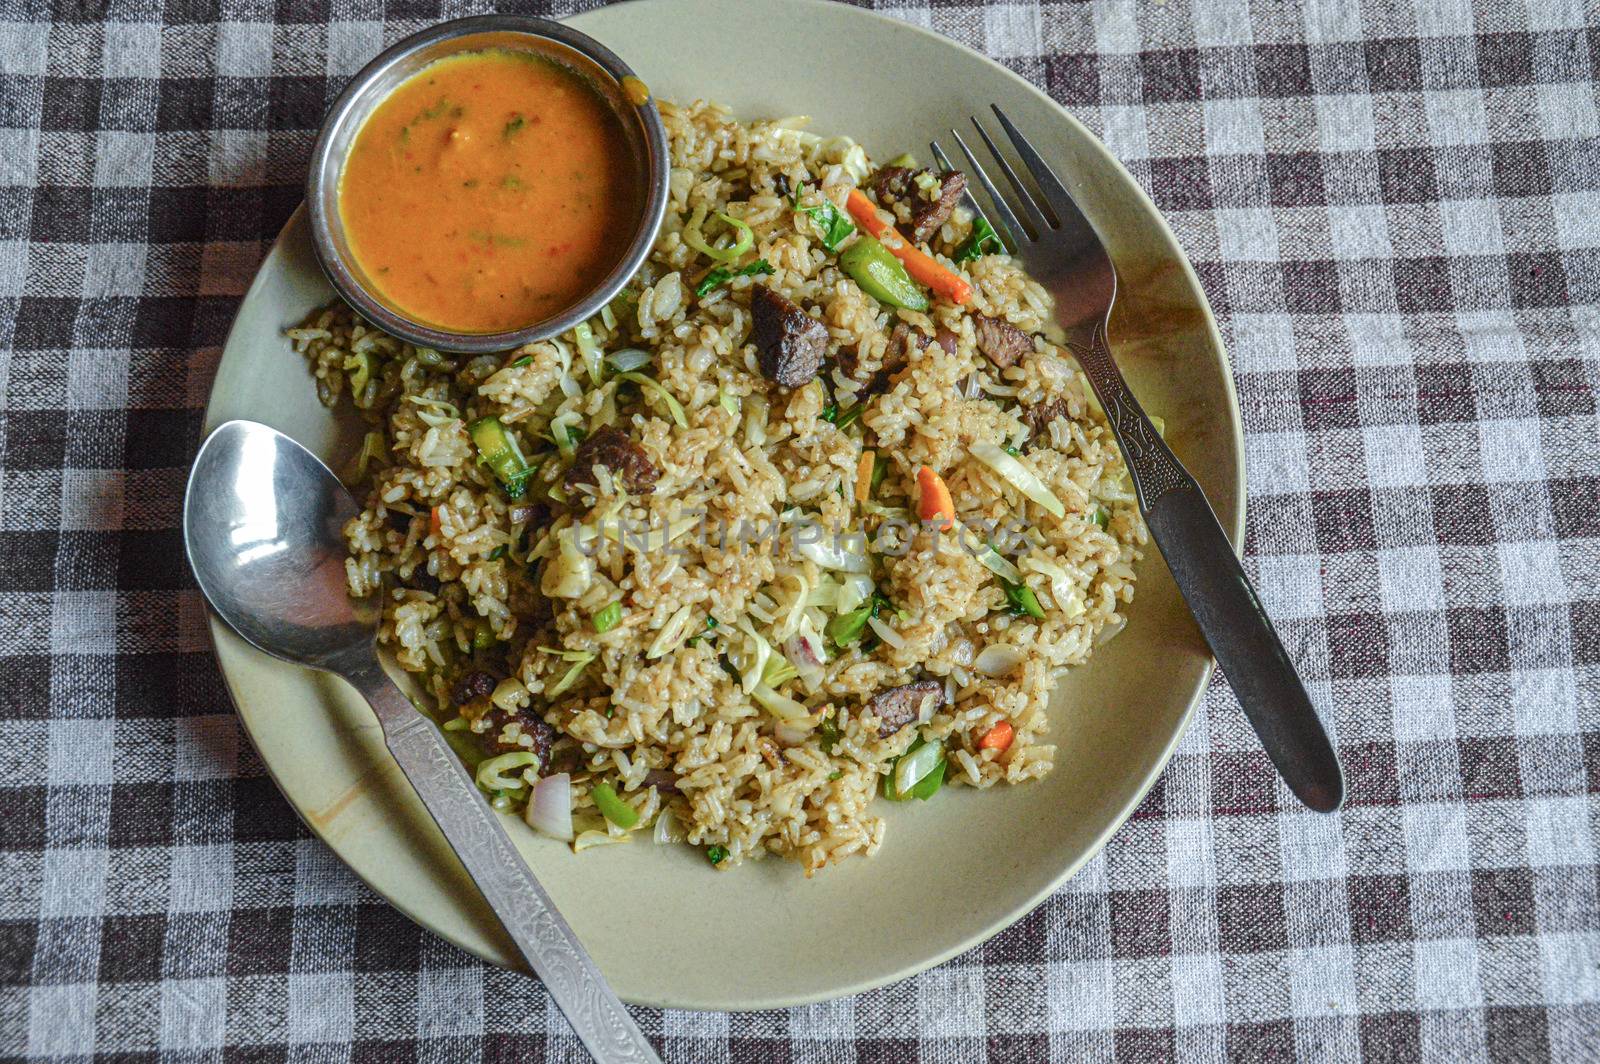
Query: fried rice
x=704 y=657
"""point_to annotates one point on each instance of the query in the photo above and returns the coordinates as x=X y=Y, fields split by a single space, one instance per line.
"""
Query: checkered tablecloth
x=1395 y=210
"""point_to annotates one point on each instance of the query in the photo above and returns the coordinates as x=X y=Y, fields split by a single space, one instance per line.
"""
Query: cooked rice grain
x=469 y=577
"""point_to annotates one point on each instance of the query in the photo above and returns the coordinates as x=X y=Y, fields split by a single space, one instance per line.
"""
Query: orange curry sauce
x=490 y=191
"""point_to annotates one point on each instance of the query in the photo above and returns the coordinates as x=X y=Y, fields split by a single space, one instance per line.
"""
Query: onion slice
x=549 y=811
x=998 y=659
x=667 y=828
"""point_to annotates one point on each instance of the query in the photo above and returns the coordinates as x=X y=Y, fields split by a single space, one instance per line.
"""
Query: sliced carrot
x=433 y=523
x=934 y=500
x=864 y=476
x=998 y=738
x=943 y=281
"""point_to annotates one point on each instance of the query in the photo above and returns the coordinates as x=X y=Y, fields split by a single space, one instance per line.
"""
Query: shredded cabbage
x=491 y=771
x=629 y=359
x=674 y=407
x=1019 y=475
x=593 y=364
x=571 y=571
x=755 y=420
x=672 y=633
x=996 y=563
x=570 y=677
x=853 y=591
x=831 y=551
x=778 y=705
x=434 y=412
x=753 y=664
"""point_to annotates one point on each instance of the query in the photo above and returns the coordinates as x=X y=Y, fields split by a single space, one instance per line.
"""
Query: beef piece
x=1039 y=416
x=789 y=342
x=899 y=184
x=496 y=741
x=780 y=184
x=1001 y=341
x=894 y=182
x=898 y=706
x=611 y=447
x=473 y=684
x=662 y=780
x=928 y=215
x=896 y=356
x=422 y=580
x=903 y=340
x=945 y=339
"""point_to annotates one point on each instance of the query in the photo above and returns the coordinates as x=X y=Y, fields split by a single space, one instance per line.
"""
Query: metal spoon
x=261 y=525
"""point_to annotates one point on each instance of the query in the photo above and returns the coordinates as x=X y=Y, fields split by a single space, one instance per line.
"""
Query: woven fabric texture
x=1395 y=210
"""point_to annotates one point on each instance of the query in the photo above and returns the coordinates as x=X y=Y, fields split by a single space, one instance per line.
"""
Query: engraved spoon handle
x=507 y=883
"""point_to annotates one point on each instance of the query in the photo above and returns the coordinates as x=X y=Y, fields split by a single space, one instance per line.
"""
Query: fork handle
x=1213 y=583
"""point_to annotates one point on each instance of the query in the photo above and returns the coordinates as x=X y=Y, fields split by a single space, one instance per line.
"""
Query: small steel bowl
x=579 y=52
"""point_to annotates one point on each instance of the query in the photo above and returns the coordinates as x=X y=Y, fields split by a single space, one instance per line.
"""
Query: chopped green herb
x=722 y=275
x=983 y=241
x=830 y=412
x=880 y=469
x=498 y=553
x=828 y=733
x=835 y=774
x=514 y=126
x=1013 y=451
x=716 y=854
x=608 y=617
x=525 y=360
x=1023 y=600
x=849 y=417
x=830 y=221
x=1101 y=516
x=483 y=637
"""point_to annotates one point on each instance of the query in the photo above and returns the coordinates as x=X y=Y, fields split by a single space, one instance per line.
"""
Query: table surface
x=1396 y=213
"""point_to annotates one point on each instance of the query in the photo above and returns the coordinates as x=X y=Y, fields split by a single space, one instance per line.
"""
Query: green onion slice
x=612 y=807
x=609 y=617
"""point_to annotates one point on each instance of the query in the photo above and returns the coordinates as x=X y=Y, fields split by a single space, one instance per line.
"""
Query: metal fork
x=1061 y=249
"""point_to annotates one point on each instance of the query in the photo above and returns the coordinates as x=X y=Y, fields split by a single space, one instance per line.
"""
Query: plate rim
x=1233 y=526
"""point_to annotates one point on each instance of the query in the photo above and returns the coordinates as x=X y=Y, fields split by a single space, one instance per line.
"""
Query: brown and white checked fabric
x=1395 y=210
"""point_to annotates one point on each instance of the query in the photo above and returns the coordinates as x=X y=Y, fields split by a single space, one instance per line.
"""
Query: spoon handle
x=508 y=884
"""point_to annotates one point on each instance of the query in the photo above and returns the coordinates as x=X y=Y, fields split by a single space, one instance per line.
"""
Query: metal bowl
x=590 y=59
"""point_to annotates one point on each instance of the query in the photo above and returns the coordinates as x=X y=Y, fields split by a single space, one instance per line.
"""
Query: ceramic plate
x=667 y=929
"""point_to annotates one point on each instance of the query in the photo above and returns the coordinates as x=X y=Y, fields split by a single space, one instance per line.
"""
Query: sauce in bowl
x=489 y=191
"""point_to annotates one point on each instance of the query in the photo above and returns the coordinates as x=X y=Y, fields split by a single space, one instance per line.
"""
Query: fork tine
x=967 y=197
x=1010 y=229
x=1036 y=217
x=1055 y=193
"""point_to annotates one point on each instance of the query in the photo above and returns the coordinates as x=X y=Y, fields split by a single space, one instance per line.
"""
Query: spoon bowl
x=262 y=525
x=262 y=520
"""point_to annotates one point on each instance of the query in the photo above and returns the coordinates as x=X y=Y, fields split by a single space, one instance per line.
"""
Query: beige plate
x=666 y=929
